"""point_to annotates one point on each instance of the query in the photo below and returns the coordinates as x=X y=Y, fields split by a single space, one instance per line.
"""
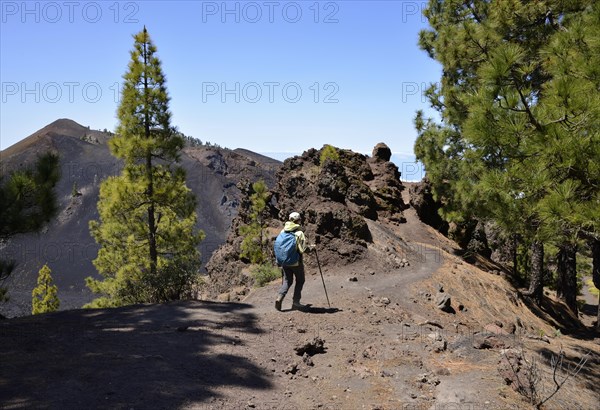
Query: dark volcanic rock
x=339 y=223
x=332 y=182
x=470 y=235
x=335 y=199
x=387 y=189
x=478 y=241
x=315 y=346
x=382 y=152
x=361 y=200
x=443 y=301
x=426 y=207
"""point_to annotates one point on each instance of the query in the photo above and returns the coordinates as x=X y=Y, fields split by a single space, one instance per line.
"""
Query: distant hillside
x=262 y=159
x=85 y=160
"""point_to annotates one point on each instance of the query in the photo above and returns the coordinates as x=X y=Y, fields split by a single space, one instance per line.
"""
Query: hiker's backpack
x=286 y=252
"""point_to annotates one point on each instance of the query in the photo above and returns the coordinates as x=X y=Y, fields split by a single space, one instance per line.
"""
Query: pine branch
x=532 y=118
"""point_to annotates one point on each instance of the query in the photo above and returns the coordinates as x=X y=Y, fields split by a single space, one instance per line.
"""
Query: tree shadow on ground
x=589 y=375
x=559 y=315
x=143 y=356
x=589 y=310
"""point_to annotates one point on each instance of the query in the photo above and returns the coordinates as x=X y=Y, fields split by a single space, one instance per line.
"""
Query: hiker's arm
x=301 y=241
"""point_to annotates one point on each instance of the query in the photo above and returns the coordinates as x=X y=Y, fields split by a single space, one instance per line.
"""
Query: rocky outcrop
x=470 y=235
x=478 y=242
x=421 y=199
x=382 y=152
x=335 y=198
x=502 y=245
x=386 y=185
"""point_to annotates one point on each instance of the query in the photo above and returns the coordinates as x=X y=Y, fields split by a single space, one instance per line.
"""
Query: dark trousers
x=289 y=272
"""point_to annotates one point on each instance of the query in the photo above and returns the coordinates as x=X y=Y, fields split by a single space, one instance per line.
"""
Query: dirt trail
x=377 y=356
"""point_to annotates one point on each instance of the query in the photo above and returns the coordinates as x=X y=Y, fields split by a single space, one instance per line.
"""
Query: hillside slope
x=85 y=160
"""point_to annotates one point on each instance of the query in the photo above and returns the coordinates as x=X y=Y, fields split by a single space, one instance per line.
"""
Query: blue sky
x=268 y=76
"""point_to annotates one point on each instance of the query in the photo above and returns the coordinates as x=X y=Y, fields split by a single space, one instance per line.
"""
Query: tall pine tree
x=146 y=229
x=518 y=139
x=571 y=109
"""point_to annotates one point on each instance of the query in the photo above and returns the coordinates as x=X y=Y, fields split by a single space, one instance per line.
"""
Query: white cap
x=294 y=217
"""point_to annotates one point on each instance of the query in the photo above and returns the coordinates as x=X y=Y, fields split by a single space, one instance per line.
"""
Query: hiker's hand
x=311 y=248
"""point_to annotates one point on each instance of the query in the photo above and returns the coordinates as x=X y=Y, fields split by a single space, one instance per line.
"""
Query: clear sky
x=270 y=76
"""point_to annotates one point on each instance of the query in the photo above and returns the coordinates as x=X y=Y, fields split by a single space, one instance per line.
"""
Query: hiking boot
x=299 y=306
x=278 y=302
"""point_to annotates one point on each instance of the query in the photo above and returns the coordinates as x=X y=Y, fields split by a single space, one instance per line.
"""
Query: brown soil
x=381 y=343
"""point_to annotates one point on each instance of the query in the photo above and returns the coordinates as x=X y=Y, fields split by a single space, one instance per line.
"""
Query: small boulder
x=382 y=152
x=443 y=302
x=490 y=342
x=307 y=360
x=292 y=369
x=494 y=329
x=435 y=336
x=315 y=346
x=440 y=346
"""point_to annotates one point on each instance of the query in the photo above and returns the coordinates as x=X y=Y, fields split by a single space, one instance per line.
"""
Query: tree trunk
x=596 y=272
x=149 y=174
x=515 y=254
x=567 y=275
x=598 y=315
x=536 y=283
x=151 y=220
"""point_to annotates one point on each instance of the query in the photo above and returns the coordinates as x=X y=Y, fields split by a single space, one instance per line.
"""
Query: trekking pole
x=323 y=280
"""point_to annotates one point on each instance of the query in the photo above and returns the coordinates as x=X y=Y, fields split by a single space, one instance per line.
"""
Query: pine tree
x=45 y=294
x=570 y=112
x=27 y=197
x=74 y=190
x=518 y=99
x=595 y=245
x=253 y=244
x=536 y=282
x=146 y=229
x=27 y=201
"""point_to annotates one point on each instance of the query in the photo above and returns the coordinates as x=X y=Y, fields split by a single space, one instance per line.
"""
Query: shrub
x=253 y=244
x=265 y=273
x=74 y=191
x=44 y=295
x=329 y=152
